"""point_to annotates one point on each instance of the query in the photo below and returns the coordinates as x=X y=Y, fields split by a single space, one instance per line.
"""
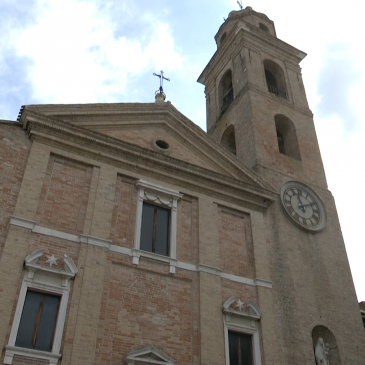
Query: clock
x=303 y=205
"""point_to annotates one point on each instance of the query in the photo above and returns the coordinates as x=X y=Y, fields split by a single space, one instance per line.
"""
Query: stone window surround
x=242 y=322
x=166 y=198
x=48 y=280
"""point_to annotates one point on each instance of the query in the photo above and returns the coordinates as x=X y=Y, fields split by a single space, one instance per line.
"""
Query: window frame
x=166 y=198
x=245 y=322
x=46 y=280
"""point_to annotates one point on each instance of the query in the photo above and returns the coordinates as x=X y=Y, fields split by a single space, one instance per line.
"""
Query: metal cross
x=239 y=2
x=162 y=77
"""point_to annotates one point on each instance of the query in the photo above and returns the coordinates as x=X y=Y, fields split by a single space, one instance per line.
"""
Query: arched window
x=325 y=345
x=286 y=137
x=275 y=79
x=225 y=90
x=223 y=38
x=264 y=27
x=228 y=139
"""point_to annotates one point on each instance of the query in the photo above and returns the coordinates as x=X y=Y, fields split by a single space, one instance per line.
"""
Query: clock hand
x=305 y=205
x=300 y=205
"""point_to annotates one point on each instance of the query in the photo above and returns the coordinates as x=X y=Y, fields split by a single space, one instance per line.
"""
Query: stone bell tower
x=257 y=109
x=256 y=102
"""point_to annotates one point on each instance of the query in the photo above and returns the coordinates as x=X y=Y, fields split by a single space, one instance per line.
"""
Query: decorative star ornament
x=51 y=260
x=239 y=304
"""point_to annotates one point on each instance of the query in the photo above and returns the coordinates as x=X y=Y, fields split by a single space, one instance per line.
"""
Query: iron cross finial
x=162 y=77
x=239 y=2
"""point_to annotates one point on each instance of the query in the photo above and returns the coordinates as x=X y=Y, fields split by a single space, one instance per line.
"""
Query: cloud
x=74 y=55
x=336 y=83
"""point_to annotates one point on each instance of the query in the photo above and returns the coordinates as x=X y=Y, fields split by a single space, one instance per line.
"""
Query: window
x=241 y=332
x=240 y=348
x=287 y=137
x=40 y=314
x=155 y=229
x=275 y=79
x=228 y=139
x=225 y=91
x=38 y=321
x=264 y=27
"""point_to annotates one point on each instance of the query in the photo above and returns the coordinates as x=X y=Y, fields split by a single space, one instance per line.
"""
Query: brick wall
x=14 y=151
x=64 y=196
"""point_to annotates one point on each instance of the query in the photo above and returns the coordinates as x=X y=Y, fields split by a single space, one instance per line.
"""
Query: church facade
x=130 y=236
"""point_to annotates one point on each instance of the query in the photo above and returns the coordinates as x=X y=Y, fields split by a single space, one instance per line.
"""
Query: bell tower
x=257 y=109
x=256 y=102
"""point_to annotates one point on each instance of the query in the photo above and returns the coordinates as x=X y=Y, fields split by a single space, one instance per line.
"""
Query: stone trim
x=162 y=196
x=136 y=254
x=48 y=280
x=242 y=321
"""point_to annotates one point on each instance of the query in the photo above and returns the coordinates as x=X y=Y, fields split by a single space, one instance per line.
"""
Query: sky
x=76 y=51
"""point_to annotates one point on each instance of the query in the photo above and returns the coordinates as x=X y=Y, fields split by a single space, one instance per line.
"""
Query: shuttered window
x=240 y=348
x=155 y=229
x=38 y=321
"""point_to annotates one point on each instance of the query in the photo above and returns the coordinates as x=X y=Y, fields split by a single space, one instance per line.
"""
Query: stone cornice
x=253 y=38
x=80 y=115
x=50 y=131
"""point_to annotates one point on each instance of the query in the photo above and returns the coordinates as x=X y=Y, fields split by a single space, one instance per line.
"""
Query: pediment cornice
x=245 y=187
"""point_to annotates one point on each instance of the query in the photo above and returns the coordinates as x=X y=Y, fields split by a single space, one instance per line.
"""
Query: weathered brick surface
x=235 y=243
x=77 y=185
x=146 y=306
x=187 y=249
x=14 y=150
x=146 y=135
x=124 y=212
x=64 y=196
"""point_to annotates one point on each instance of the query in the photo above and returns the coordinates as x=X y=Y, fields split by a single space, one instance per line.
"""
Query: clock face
x=303 y=205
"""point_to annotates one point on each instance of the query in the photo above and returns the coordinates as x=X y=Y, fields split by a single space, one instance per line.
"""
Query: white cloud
x=78 y=59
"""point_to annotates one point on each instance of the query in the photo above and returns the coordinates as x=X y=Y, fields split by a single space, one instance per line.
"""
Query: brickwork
x=235 y=243
x=64 y=195
x=144 y=307
x=14 y=150
x=146 y=135
x=187 y=249
x=233 y=238
x=124 y=212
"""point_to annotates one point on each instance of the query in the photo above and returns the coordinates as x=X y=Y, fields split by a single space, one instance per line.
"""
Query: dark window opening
x=287 y=137
x=225 y=91
x=38 y=321
x=280 y=142
x=270 y=79
x=275 y=79
x=155 y=229
x=240 y=349
x=223 y=38
x=363 y=320
x=162 y=144
x=228 y=139
x=264 y=27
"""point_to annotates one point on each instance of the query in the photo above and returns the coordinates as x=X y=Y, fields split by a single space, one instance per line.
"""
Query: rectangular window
x=38 y=321
x=155 y=229
x=240 y=348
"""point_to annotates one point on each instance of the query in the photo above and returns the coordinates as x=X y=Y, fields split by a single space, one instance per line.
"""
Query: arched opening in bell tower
x=275 y=79
x=286 y=137
x=264 y=28
x=228 y=139
x=225 y=91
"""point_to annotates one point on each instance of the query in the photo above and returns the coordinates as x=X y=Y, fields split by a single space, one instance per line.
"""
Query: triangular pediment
x=143 y=124
x=127 y=134
x=148 y=355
